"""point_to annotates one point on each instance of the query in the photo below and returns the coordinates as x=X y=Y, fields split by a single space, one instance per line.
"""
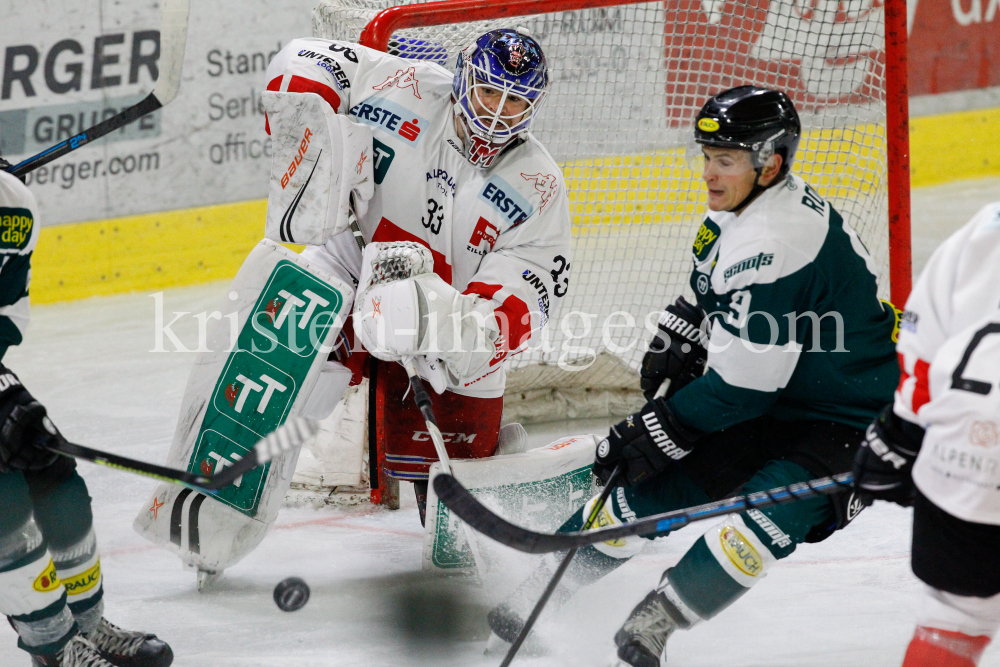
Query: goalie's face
x=729 y=175
x=496 y=105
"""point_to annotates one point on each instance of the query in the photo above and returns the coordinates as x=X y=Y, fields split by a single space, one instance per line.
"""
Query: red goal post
x=377 y=33
x=627 y=80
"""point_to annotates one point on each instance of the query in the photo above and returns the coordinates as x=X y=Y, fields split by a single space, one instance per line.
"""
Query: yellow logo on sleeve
x=48 y=580
x=740 y=552
x=15 y=227
x=83 y=582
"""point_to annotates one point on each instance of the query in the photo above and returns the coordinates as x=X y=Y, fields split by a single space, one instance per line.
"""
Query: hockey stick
x=560 y=571
x=420 y=395
x=289 y=435
x=423 y=401
x=472 y=512
x=173 y=38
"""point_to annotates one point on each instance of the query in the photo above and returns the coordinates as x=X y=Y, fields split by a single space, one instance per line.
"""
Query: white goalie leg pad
x=287 y=314
x=958 y=613
x=739 y=551
x=536 y=488
x=319 y=158
x=616 y=512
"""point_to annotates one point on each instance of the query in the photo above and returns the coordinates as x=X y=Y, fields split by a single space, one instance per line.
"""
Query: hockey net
x=627 y=81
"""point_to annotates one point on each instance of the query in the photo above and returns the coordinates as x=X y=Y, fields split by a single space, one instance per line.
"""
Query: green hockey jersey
x=797 y=329
x=18 y=236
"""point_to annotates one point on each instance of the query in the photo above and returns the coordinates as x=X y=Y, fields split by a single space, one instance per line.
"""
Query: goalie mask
x=500 y=83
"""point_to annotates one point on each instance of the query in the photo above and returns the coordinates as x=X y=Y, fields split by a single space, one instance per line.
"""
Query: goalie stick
x=289 y=435
x=475 y=514
x=173 y=38
x=423 y=401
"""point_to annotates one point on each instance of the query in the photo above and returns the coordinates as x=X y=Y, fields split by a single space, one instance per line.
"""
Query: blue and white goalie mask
x=500 y=83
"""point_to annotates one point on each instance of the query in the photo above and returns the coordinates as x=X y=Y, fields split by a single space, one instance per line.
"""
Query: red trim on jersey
x=512 y=316
x=922 y=390
x=933 y=647
x=275 y=85
x=387 y=232
x=300 y=84
x=482 y=289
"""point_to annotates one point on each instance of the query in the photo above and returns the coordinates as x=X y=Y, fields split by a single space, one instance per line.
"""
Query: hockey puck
x=291 y=594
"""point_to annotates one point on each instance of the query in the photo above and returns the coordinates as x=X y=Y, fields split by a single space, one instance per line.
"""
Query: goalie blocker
x=321 y=161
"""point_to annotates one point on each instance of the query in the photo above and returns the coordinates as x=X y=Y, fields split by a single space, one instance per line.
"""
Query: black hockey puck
x=291 y=594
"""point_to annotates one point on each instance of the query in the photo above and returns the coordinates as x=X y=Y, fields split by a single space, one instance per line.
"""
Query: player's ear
x=771 y=169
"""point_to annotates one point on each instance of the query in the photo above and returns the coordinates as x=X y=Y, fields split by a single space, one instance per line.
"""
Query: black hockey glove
x=884 y=462
x=677 y=353
x=25 y=430
x=644 y=444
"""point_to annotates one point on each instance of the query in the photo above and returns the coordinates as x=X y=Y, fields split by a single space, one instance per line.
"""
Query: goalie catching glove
x=678 y=351
x=883 y=466
x=644 y=444
x=404 y=310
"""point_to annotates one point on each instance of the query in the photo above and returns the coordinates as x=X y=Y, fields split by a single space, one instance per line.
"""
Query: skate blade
x=206 y=579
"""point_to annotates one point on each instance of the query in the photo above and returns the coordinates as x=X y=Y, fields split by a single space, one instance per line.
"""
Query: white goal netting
x=627 y=81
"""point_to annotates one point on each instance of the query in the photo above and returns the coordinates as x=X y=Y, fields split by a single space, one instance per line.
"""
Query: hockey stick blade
x=465 y=506
x=288 y=436
x=173 y=41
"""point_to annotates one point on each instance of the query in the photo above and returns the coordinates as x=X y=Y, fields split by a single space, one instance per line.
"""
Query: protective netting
x=627 y=82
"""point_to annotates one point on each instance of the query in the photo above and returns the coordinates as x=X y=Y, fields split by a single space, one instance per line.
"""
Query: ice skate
x=78 y=652
x=642 y=640
x=507 y=618
x=126 y=648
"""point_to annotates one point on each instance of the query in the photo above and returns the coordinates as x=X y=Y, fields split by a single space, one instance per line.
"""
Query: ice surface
x=846 y=601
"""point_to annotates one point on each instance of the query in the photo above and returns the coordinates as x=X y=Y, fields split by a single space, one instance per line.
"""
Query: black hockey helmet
x=759 y=120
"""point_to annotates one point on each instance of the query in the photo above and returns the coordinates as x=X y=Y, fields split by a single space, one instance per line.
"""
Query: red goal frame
x=378 y=31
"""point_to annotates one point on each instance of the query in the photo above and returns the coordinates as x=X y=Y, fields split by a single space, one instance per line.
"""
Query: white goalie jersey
x=949 y=347
x=501 y=233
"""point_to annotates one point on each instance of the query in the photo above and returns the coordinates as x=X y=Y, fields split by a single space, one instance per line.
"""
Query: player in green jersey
x=770 y=379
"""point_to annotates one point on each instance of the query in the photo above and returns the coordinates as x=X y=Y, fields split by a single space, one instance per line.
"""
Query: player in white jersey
x=936 y=446
x=456 y=171
x=51 y=586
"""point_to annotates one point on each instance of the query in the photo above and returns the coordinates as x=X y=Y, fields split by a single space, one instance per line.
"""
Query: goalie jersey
x=18 y=235
x=949 y=349
x=502 y=233
x=797 y=329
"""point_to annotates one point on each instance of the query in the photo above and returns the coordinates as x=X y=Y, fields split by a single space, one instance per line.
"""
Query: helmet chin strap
x=754 y=191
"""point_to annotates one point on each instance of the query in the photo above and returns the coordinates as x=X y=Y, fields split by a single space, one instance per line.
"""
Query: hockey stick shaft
x=148 y=104
x=173 y=39
x=465 y=506
x=560 y=571
x=290 y=435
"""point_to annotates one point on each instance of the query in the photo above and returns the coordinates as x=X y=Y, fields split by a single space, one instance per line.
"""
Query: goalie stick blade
x=458 y=499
